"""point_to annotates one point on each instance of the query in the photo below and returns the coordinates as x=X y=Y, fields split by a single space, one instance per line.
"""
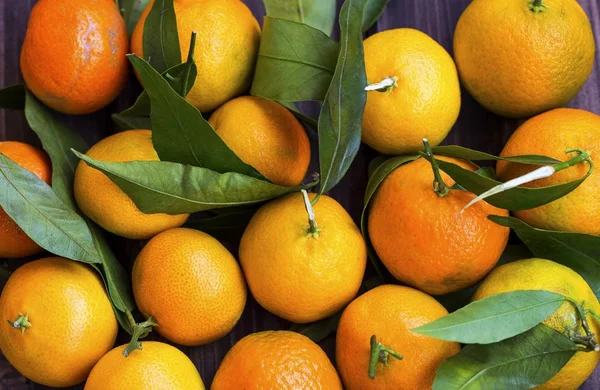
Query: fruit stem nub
x=440 y=188
x=140 y=331
x=22 y=322
x=312 y=229
x=589 y=339
x=384 y=85
x=537 y=6
x=380 y=354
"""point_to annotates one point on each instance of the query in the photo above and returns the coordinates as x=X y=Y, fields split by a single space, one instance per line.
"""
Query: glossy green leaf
x=37 y=210
x=522 y=362
x=295 y=62
x=319 y=14
x=166 y=187
x=379 y=170
x=131 y=11
x=56 y=139
x=495 y=318
x=340 y=122
x=580 y=252
x=161 y=41
x=373 y=11
x=475 y=155
x=519 y=198
x=132 y=122
x=488 y=172
x=13 y=97
x=180 y=133
x=180 y=77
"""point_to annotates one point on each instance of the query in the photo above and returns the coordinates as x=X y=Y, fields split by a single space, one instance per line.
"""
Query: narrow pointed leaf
x=132 y=10
x=180 y=133
x=295 y=62
x=37 y=210
x=340 y=122
x=161 y=42
x=580 y=252
x=13 y=97
x=132 y=122
x=166 y=187
x=522 y=362
x=475 y=155
x=373 y=11
x=319 y=14
x=519 y=198
x=495 y=318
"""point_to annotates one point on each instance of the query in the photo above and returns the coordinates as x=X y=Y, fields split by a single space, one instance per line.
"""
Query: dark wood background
x=476 y=128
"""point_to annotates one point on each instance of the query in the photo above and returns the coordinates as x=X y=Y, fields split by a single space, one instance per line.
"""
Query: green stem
x=22 y=322
x=140 y=331
x=582 y=156
x=440 y=188
x=588 y=340
x=380 y=354
x=312 y=229
x=537 y=6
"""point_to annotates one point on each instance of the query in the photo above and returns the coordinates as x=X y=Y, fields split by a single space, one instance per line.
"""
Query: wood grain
x=476 y=128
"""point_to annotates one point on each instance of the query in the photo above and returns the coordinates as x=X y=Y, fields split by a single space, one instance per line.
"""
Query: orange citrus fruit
x=190 y=284
x=518 y=59
x=105 y=203
x=423 y=103
x=63 y=322
x=226 y=47
x=541 y=274
x=73 y=57
x=156 y=366
x=13 y=241
x=424 y=240
x=550 y=134
x=276 y=360
x=390 y=312
x=267 y=136
x=295 y=274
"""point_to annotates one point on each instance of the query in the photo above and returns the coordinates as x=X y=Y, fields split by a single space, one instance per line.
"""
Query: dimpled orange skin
x=226 y=47
x=73 y=323
x=105 y=203
x=389 y=312
x=550 y=134
x=297 y=277
x=156 y=366
x=14 y=243
x=517 y=62
x=199 y=297
x=276 y=360
x=542 y=274
x=426 y=102
x=265 y=135
x=73 y=57
x=423 y=240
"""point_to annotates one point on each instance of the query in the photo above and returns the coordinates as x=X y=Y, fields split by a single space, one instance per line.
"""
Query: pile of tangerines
x=301 y=256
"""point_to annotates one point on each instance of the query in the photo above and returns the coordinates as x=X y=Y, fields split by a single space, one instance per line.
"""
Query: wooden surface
x=476 y=128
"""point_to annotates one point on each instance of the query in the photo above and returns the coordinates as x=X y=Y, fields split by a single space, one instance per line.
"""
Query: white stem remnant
x=384 y=85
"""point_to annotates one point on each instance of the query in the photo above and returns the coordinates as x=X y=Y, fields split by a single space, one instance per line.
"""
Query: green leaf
x=474 y=155
x=225 y=225
x=519 y=198
x=180 y=77
x=180 y=133
x=319 y=14
x=457 y=300
x=56 y=139
x=483 y=171
x=373 y=11
x=340 y=122
x=295 y=62
x=161 y=41
x=132 y=10
x=379 y=170
x=580 y=252
x=522 y=362
x=13 y=97
x=32 y=204
x=166 y=187
x=132 y=122
x=495 y=318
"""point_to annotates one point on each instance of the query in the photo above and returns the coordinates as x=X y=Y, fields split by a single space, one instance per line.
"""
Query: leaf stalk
x=140 y=331
x=380 y=354
x=312 y=229
x=440 y=188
